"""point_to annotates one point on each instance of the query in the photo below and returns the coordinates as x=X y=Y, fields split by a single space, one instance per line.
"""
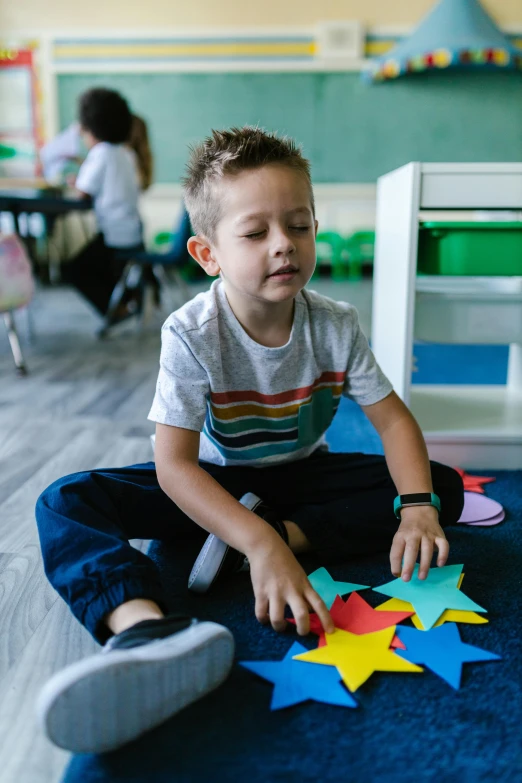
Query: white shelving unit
x=470 y=426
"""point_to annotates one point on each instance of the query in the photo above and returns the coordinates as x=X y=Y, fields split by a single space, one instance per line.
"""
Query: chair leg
x=116 y=297
x=54 y=257
x=14 y=343
x=31 y=332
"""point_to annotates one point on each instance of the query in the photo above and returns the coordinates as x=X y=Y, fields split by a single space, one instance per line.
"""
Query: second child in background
x=62 y=154
x=109 y=175
x=139 y=142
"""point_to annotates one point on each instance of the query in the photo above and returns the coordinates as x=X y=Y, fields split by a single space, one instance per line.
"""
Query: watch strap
x=415 y=499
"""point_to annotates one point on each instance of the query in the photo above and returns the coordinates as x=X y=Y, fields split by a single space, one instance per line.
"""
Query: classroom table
x=49 y=202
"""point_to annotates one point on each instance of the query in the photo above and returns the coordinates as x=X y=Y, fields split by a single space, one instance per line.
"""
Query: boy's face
x=265 y=240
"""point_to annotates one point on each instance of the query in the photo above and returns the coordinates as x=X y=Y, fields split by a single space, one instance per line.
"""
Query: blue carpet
x=408 y=729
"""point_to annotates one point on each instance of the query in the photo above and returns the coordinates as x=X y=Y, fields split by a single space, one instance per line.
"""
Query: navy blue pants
x=96 y=270
x=343 y=503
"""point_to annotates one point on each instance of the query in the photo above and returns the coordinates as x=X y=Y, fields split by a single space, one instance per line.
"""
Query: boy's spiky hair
x=229 y=152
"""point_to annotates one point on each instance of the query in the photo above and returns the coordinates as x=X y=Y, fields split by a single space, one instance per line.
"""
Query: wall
x=351 y=130
x=102 y=15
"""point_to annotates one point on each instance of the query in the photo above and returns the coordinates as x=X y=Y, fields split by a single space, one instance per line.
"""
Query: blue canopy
x=456 y=33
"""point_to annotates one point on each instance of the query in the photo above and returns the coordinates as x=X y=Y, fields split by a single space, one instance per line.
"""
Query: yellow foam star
x=448 y=616
x=356 y=656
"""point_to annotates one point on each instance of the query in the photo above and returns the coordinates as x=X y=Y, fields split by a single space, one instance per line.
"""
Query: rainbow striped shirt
x=256 y=405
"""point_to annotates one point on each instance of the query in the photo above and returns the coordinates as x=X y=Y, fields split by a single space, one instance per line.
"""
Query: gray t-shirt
x=256 y=405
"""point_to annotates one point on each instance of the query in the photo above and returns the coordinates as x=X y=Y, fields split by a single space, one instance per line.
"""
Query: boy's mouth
x=285 y=272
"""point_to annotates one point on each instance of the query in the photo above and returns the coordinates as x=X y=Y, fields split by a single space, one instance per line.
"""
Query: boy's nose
x=282 y=245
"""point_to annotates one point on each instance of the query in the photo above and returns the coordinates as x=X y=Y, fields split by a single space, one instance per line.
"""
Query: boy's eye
x=258 y=234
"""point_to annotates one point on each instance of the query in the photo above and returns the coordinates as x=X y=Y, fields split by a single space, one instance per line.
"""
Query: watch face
x=418 y=497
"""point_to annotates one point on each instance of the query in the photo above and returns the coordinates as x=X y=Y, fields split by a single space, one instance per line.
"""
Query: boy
x=257 y=365
x=109 y=175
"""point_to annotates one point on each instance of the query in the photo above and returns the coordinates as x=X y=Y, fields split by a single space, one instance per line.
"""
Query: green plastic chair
x=329 y=250
x=188 y=271
x=360 y=246
x=162 y=238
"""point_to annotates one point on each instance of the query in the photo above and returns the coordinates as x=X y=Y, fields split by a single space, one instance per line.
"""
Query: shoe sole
x=208 y=563
x=109 y=699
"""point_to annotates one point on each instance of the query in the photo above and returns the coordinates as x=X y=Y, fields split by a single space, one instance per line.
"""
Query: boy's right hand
x=278 y=580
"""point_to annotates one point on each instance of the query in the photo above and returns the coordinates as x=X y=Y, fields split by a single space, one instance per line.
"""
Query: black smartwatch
x=416 y=499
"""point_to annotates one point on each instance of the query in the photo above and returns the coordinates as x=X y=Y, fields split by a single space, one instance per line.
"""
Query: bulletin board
x=20 y=127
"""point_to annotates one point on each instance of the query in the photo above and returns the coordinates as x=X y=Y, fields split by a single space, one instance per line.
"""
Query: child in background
x=251 y=374
x=65 y=150
x=62 y=153
x=139 y=142
x=109 y=175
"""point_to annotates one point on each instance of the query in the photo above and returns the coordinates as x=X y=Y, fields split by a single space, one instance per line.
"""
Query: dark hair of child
x=139 y=142
x=106 y=114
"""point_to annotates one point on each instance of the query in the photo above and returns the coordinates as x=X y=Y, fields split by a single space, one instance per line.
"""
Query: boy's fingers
x=301 y=615
x=261 y=610
x=319 y=607
x=277 y=614
x=426 y=555
x=442 y=545
x=410 y=558
x=396 y=554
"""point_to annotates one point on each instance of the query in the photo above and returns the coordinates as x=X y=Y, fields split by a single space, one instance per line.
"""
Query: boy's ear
x=316 y=224
x=201 y=251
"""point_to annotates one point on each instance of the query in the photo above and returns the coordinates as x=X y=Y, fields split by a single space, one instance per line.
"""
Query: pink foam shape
x=487 y=522
x=478 y=508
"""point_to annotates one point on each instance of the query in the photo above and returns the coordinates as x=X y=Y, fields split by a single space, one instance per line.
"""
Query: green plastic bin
x=476 y=248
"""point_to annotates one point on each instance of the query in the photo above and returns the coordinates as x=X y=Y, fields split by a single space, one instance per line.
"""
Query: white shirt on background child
x=57 y=152
x=109 y=174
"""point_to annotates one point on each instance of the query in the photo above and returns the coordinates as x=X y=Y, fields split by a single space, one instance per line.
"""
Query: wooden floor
x=83 y=405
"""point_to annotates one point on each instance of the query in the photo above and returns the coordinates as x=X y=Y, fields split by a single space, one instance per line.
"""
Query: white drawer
x=469 y=310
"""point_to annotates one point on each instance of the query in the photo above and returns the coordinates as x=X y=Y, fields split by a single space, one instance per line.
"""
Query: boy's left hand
x=419 y=529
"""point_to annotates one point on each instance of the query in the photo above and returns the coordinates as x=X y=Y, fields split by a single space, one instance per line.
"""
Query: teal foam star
x=430 y=597
x=328 y=588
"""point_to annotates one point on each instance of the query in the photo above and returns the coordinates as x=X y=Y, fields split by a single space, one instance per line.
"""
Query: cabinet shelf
x=474 y=426
x=471 y=426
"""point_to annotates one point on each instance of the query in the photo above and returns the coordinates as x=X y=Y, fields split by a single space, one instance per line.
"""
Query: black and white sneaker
x=141 y=677
x=217 y=558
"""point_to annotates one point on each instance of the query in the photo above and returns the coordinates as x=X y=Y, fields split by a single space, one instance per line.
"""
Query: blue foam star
x=441 y=650
x=431 y=596
x=297 y=681
x=328 y=588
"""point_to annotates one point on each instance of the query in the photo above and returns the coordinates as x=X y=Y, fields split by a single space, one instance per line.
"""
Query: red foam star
x=357 y=616
x=474 y=483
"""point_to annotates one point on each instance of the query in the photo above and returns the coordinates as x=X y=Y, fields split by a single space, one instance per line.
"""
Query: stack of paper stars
x=367 y=640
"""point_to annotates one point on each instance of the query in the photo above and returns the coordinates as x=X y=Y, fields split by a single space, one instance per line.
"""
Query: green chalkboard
x=351 y=131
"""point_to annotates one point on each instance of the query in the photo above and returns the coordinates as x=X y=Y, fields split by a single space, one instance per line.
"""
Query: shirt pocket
x=315 y=417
